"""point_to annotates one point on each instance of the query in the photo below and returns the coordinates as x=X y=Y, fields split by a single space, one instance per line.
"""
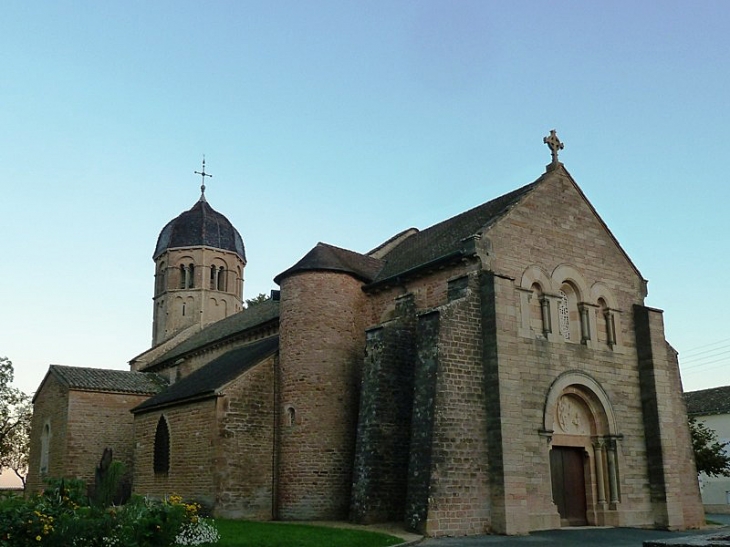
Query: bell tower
x=199 y=263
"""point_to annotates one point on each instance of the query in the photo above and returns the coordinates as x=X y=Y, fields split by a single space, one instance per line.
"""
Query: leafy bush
x=62 y=515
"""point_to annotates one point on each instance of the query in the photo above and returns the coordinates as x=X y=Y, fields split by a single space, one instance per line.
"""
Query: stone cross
x=554 y=145
x=203 y=174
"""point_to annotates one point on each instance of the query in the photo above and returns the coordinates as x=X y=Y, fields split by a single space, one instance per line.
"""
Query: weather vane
x=203 y=174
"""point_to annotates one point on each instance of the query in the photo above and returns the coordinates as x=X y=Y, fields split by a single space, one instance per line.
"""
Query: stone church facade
x=496 y=372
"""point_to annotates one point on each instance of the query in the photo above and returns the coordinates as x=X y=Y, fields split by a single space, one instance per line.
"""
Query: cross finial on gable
x=554 y=145
x=203 y=174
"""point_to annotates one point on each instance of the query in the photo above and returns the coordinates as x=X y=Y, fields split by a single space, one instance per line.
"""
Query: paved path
x=576 y=537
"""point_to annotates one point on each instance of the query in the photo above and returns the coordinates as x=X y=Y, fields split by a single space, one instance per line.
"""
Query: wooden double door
x=567 y=468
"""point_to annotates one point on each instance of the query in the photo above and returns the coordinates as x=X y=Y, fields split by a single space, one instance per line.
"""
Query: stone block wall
x=193 y=434
x=97 y=421
x=244 y=461
x=203 y=305
x=672 y=474
x=82 y=424
x=321 y=350
x=459 y=483
x=383 y=431
x=422 y=422
x=50 y=407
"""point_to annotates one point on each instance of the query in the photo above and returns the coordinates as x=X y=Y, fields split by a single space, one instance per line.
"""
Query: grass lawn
x=239 y=533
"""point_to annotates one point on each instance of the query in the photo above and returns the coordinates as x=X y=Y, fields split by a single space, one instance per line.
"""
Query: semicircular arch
x=566 y=273
x=579 y=384
x=535 y=274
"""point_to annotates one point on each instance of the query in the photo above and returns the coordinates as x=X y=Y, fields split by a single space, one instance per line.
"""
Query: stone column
x=612 y=478
x=600 y=480
x=547 y=326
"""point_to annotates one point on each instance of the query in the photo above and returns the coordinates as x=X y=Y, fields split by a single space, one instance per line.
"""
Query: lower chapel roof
x=251 y=317
x=209 y=379
x=105 y=380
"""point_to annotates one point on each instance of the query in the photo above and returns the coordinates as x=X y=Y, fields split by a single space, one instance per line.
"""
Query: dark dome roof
x=200 y=226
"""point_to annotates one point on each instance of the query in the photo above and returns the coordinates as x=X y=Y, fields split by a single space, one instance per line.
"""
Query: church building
x=495 y=372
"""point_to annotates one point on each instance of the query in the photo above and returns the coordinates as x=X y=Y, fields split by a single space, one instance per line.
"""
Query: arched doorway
x=580 y=424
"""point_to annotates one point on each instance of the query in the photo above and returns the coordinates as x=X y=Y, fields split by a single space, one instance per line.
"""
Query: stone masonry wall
x=50 y=407
x=386 y=400
x=97 y=421
x=245 y=446
x=422 y=422
x=192 y=430
x=203 y=305
x=459 y=482
x=674 y=488
x=83 y=424
x=321 y=349
x=554 y=227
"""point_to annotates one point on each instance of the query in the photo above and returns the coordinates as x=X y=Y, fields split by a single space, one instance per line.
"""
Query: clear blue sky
x=346 y=122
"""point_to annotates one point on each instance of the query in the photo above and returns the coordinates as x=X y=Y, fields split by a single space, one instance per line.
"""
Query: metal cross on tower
x=554 y=145
x=203 y=174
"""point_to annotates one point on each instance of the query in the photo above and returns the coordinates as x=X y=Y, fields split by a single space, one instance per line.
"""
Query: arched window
x=573 y=317
x=161 y=278
x=183 y=277
x=291 y=416
x=191 y=276
x=45 y=448
x=564 y=315
x=221 y=286
x=161 y=462
x=213 y=277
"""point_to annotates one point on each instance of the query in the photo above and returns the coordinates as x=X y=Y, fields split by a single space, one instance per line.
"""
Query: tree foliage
x=15 y=415
x=262 y=297
x=710 y=455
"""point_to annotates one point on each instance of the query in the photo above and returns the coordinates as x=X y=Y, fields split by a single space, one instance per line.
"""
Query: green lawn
x=238 y=533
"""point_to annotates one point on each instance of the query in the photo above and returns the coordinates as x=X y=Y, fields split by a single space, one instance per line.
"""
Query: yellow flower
x=38 y=538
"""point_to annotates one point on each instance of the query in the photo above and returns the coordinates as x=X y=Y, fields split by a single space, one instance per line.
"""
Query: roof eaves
x=420 y=267
x=142 y=409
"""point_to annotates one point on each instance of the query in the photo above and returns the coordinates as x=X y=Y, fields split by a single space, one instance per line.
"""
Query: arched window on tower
x=161 y=278
x=221 y=284
x=183 y=277
x=190 y=282
x=213 y=277
x=161 y=462
x=291 y=416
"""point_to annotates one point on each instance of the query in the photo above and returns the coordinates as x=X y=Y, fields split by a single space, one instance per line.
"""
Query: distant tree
x=15 y=414
x=262 y=297
x=710 y=455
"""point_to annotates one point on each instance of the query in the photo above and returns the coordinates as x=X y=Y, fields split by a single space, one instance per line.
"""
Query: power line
x=703 y=347
x=712 y=355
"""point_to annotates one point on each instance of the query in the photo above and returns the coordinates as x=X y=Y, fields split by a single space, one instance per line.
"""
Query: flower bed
x=63 y=515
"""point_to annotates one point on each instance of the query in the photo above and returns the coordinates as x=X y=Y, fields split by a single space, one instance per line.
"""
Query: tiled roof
x=715 y=400
x=252 y=316
x=116 y=381
x=446 y=238
x=326 y=257
x=206 y=381
x=201 y=225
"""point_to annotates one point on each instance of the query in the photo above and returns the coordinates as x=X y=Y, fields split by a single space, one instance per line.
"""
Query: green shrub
x=62 y=515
